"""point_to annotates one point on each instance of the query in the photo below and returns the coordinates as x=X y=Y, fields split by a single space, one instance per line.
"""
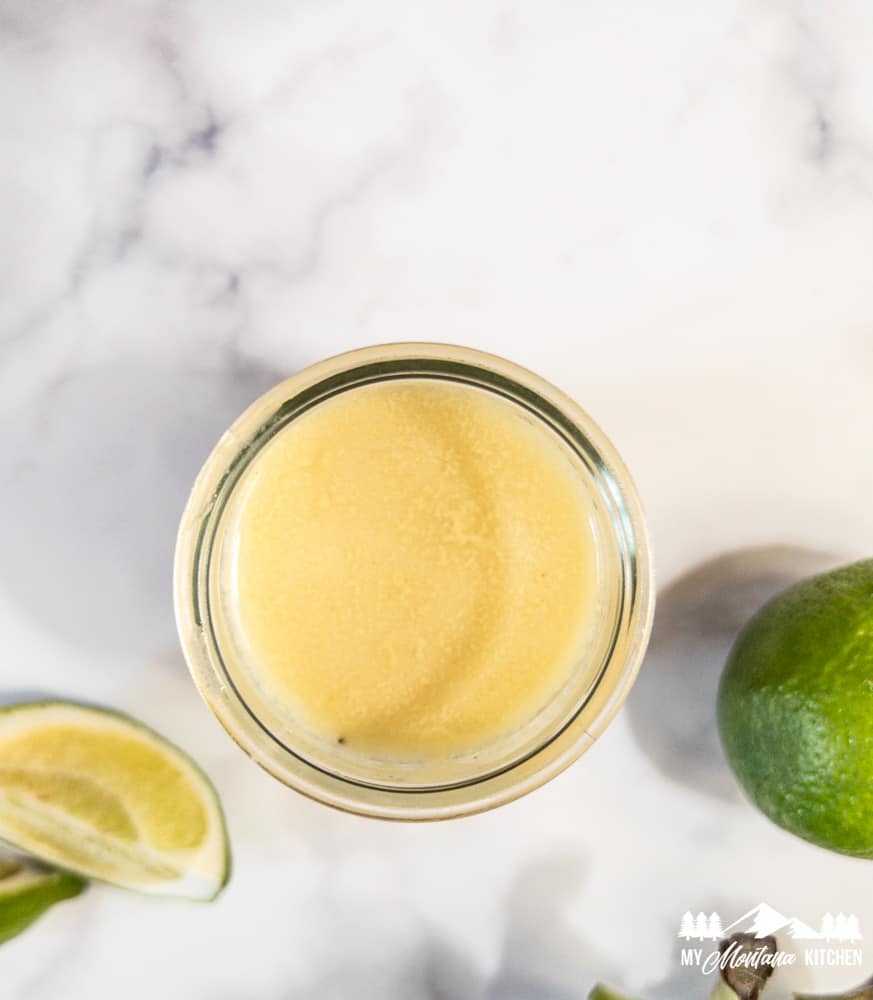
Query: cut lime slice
x=27 y=891
x=96 y=793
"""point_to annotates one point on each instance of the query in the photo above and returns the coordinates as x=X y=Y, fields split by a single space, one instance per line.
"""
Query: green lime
x=27 y=891
x=795 y=709
x=93 y=792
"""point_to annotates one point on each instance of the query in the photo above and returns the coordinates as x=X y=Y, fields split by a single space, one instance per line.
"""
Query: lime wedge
x=27 y=891
x=96 y=793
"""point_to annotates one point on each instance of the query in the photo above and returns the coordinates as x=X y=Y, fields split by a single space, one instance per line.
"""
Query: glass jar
x=406 y=790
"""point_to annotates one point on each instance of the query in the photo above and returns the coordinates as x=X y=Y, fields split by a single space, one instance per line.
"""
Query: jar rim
x=268 y=415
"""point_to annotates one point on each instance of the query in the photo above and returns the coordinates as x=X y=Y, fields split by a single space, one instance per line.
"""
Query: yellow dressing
x=415 y=568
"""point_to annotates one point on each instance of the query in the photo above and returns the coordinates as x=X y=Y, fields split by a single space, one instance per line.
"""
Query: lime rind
x=27 y=891
x=601 y=992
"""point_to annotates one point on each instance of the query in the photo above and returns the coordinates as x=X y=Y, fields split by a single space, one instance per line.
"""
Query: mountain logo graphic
x=763 y=920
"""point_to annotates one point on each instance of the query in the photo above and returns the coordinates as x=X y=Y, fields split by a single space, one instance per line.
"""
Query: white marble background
x=667 y=209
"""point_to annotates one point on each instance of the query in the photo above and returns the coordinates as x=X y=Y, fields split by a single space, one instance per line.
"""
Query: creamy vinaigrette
x=415 y=568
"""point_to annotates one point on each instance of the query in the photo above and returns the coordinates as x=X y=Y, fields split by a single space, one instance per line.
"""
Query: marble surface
x=668 y=211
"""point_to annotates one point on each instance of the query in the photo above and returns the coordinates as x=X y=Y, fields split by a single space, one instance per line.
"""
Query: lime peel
x=27 y=891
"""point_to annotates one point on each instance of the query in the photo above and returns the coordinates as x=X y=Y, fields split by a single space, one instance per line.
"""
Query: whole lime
x=795 y=709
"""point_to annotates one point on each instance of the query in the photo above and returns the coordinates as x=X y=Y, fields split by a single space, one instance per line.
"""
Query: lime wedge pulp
x=96 y=793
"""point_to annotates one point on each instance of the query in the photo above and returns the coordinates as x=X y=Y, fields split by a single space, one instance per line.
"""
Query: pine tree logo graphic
x=701 y=927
